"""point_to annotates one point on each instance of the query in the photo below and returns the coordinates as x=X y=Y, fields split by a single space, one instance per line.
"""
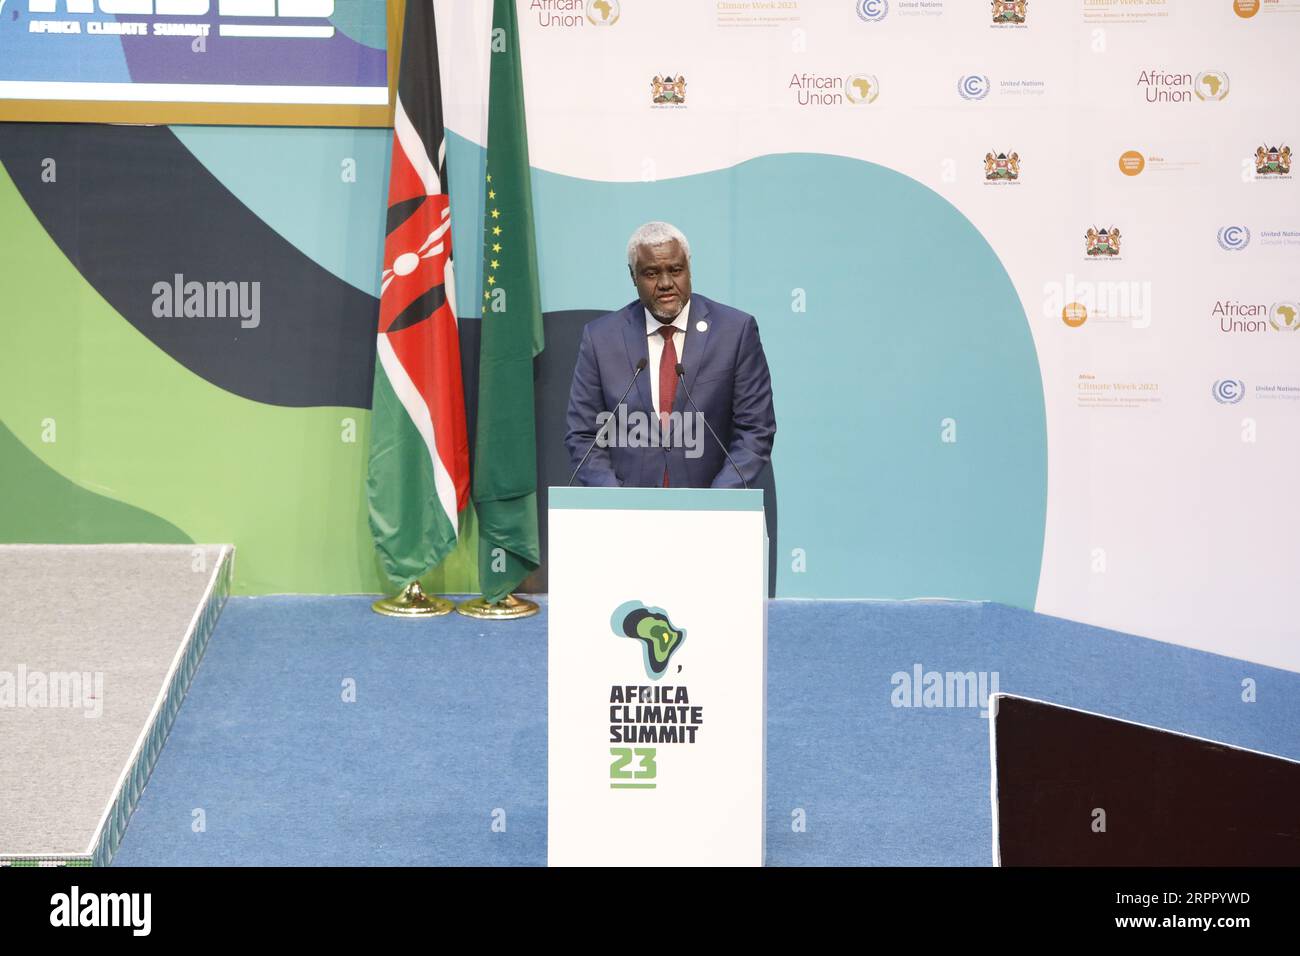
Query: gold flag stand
x=509 y=608
x=411 y=601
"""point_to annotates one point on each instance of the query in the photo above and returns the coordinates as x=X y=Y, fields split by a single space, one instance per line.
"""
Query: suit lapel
x=638 y=348
x=693 y=351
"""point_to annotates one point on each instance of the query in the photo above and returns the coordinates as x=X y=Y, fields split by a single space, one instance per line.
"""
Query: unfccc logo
x=973 y=86
x=1234 y=238
x=1228 y=391
x=873 y=11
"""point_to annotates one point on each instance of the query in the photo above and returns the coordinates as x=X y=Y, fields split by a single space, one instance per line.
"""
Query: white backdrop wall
x=1132 y=470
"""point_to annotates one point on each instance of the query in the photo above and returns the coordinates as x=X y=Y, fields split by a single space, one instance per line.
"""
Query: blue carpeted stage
x=270 y=764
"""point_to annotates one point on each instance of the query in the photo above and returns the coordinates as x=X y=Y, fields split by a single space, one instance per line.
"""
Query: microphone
x=681 y=377
x=640 y=367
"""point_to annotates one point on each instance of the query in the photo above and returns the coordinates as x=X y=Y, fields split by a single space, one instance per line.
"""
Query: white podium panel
x=657 y=679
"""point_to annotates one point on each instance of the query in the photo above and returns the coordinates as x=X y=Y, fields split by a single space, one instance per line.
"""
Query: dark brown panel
x=1168 y=800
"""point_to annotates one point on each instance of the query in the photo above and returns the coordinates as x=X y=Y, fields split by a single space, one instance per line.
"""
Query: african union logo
x=973 y=86
x=873 y=11
x=861 y=88
x=1229 y=391
x=1211 y=85
x=1284 y=317
x=649 y=625
x=1102 y=242
x=1001 y=166
x=1271 y=161
x=1234 y=238
x=602 y=13
x=1009 y=11
x=668 y=90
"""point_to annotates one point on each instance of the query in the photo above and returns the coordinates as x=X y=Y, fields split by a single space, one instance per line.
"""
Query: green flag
x=505 y=462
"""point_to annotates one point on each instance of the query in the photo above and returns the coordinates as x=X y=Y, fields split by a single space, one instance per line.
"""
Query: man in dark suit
x=725 y=373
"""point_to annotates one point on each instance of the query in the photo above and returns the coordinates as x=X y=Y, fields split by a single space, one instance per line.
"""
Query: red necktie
x=667 y=381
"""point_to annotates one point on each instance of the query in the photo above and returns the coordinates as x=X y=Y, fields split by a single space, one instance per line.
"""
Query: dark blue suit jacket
x=726 y=373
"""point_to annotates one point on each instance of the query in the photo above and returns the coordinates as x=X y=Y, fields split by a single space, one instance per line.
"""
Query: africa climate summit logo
x=651 y=626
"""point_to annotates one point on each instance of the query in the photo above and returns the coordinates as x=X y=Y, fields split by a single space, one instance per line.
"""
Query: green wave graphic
x=284 y=485
x=43 y=507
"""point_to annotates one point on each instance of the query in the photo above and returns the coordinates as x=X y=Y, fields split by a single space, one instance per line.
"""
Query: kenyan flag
x=419 y=447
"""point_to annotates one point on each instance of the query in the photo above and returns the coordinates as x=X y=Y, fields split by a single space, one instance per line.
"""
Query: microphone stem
x=640 y=366
x=681 y=377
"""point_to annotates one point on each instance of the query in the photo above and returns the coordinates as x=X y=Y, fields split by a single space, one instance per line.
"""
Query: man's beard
x=657 y=311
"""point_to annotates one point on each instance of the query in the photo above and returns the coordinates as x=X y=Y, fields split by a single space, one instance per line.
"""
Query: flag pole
x=509 y=608
x=505 y=468
x=411 y=601
x=417 y=483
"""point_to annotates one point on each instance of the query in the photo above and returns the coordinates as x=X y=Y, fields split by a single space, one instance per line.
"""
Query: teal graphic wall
x=122 y=425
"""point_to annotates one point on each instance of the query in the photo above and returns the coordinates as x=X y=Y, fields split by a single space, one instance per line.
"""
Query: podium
x=657 y=677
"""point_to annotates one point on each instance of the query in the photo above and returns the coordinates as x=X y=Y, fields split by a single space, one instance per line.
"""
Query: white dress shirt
x=656 y=343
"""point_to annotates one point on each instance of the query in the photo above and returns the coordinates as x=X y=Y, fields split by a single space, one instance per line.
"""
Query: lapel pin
x=701 y=326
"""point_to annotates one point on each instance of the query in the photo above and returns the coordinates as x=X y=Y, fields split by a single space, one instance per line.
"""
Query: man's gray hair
x=655 y=234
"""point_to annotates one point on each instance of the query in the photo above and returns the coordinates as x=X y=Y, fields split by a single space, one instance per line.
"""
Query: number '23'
x=623 y=756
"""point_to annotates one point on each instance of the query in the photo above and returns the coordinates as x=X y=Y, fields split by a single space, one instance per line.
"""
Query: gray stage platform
x=98 y=644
